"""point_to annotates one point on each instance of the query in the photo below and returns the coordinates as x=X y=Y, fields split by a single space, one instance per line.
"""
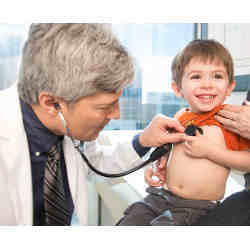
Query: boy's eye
x=196 y=76
x=218 y=76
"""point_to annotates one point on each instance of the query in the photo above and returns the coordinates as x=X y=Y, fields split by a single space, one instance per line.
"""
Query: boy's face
x=204 y=85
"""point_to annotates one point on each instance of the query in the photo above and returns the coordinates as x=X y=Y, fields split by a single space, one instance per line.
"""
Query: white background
x=20 y=11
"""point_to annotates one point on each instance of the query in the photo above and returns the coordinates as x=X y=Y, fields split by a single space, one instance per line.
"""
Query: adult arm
x=124 y=156
x=236 y=119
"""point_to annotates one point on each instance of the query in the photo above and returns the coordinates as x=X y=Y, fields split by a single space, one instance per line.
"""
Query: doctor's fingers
x=173 y=137
x=174 y=125
x=167 y=123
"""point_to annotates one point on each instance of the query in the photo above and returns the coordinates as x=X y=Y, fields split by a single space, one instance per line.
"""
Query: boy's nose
x=207 y=83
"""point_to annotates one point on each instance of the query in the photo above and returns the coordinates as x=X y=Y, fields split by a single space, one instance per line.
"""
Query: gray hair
x=71 y=61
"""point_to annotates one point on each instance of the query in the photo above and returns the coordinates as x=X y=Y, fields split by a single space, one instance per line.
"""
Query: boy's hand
x=158 y=171
x=198 y=146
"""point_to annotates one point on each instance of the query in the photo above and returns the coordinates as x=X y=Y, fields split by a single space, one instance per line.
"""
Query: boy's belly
x=193 y=178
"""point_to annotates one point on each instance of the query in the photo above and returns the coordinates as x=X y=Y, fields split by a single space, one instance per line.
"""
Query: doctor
x=78 y=70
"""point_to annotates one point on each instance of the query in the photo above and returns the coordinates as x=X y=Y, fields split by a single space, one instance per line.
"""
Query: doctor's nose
x=115 y=112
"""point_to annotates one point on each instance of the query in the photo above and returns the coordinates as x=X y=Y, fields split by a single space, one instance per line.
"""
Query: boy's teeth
x=206 y=97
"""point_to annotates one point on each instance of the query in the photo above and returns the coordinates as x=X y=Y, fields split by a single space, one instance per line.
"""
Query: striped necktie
x=55 y=205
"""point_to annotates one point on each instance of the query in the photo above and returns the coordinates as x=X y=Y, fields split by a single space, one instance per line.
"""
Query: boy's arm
x=239 y=160
x=212 y=146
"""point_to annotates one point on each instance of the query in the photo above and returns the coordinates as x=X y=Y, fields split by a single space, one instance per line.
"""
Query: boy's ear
x=176 y=89
x=231 y=88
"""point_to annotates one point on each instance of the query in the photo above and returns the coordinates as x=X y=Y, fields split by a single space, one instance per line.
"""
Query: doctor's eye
x=104 y=108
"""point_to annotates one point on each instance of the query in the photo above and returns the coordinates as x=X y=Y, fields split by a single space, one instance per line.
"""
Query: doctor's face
x=88 y=116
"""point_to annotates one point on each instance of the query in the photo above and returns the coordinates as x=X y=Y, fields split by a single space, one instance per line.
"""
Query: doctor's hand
x=155 y=176
x=160 y=131
x=236 y=119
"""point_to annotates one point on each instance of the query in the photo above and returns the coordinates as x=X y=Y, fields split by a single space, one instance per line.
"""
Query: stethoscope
x=155 y=155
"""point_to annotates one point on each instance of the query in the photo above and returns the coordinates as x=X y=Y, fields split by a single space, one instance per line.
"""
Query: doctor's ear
x=177 y=89
x=48 y=103
x=57 y=106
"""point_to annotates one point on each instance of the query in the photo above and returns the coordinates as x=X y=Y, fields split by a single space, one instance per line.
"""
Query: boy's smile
x=205 y=98
x=204 y=85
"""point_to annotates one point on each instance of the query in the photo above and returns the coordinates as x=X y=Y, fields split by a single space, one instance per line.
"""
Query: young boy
x=198 y=169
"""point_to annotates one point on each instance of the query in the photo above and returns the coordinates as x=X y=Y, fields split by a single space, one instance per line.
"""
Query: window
x=153 y=46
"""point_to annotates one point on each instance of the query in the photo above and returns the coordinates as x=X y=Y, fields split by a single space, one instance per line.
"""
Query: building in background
x=12 y=37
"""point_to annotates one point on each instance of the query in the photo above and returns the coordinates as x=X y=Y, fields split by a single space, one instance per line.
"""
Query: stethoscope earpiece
x=57 y=106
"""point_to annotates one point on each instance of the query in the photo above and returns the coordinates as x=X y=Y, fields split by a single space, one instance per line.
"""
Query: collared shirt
x=40 y=140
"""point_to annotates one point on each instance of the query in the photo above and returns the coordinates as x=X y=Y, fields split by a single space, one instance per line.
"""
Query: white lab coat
x=16 y=207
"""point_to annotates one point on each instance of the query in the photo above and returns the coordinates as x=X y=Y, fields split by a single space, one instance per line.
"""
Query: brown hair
x=206 y=50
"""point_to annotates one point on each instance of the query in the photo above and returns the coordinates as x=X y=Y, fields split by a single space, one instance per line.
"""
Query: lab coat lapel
x=17 y=160
x=20 y=181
